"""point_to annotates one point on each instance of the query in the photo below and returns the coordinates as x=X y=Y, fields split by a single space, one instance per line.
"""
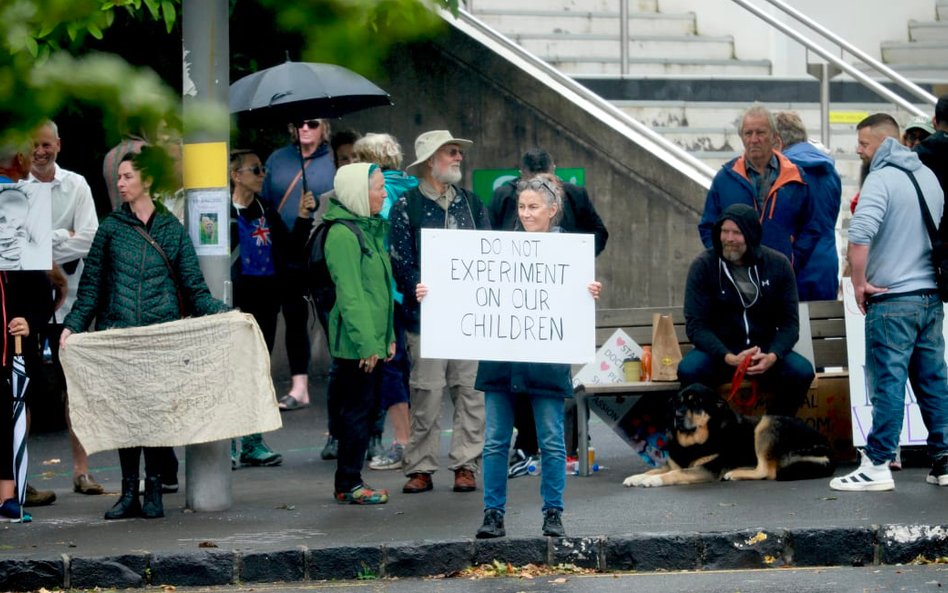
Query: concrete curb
x=887 y=544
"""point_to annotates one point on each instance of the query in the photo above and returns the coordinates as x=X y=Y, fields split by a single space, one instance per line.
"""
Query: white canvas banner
x=508 y=296
x=191 y=381
x=913 y=429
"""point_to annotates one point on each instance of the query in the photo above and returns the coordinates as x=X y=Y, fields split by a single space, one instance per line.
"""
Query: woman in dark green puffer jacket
x=126 y=283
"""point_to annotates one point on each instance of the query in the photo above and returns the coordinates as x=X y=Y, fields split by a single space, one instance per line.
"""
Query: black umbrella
x=294 y=91
x=18 y=383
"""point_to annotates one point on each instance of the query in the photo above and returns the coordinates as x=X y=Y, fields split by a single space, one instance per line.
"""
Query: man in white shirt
x=74 y=225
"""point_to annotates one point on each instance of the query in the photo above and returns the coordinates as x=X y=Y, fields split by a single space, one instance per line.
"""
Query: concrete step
x=941 y=10
x=727 y=139
x=579 y=67
x=917 y=73
x=592 y=47
x=726 y=115
x=518 y=22
x=476 y=6
x=933 y=53
x=928 y=30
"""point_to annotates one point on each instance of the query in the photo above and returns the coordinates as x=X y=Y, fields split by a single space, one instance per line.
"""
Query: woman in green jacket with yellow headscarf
x=361 y=334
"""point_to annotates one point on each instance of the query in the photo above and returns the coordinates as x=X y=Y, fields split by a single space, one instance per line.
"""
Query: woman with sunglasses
x=260 y=245
x=283 y=188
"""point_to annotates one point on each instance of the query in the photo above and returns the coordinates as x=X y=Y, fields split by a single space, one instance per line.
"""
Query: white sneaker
x=868 y=477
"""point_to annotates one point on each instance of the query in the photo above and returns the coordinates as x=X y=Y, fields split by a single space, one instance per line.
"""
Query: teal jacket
x=360 y=323
x=126 y=282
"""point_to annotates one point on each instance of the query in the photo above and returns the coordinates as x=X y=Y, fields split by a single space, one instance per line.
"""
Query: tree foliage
x=43 y=66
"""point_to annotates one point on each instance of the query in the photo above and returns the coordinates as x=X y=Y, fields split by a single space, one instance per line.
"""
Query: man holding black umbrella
x=299 y=170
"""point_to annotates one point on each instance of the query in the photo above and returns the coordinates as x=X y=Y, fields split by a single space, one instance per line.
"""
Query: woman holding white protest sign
x=141 y=270
x=546 y=384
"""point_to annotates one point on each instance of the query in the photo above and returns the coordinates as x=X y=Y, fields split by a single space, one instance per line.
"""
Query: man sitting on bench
x=741 y=311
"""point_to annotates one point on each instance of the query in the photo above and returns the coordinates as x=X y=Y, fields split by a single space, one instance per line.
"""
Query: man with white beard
x=438 y=202
x=741 y=310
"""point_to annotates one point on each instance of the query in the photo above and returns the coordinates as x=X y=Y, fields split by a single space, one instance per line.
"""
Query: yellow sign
x=205 y=165
x=847 y=117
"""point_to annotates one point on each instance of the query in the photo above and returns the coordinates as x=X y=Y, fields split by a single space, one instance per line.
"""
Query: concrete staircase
x=582 y=37
x=924 y=56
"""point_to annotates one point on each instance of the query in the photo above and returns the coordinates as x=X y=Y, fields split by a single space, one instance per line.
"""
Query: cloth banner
x=190 y=381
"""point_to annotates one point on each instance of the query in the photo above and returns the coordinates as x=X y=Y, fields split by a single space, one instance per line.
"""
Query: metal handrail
x=702 y=173
x=839 y=63
x=878 y=66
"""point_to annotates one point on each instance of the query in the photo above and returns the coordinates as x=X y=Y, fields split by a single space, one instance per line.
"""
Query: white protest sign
x=607 y=366
x=26 y=226
x=913 y=429
x=507 y=296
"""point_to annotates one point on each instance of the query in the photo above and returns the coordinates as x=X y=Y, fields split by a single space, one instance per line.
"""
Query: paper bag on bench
x=666 y=354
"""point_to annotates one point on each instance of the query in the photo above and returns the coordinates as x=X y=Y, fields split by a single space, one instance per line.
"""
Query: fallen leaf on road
x=207 y=545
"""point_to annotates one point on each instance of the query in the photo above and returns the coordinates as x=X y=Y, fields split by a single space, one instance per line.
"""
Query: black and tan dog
x=709 y=441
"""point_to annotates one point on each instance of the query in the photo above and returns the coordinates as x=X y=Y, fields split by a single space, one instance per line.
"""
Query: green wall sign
x=487 y=180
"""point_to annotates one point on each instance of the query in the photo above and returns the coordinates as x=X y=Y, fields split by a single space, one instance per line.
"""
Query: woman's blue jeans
x=904 y=341
x=548 y=416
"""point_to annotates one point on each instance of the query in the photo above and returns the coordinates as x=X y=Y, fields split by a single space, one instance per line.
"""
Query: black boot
x=493 y=525
x=152 y=507
x=128 y=505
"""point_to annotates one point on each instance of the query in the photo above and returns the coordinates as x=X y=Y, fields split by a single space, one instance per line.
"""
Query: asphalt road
x=903 y=579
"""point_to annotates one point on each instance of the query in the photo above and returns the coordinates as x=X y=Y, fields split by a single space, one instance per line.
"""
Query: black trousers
x=353 y=402
x=156 y=459
x=296 y=317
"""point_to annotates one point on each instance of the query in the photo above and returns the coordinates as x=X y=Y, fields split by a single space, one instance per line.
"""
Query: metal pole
x=206 y=80
x=624 y=36
x=823 y=72
x=825 y=104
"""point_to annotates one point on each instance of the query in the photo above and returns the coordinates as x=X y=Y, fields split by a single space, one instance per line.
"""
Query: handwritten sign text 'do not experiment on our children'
x=497 y=295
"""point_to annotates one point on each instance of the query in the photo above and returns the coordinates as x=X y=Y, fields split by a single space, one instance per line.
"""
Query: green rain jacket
x=360 y=323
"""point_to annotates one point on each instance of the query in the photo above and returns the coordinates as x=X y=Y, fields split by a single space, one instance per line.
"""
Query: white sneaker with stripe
x=868 y=477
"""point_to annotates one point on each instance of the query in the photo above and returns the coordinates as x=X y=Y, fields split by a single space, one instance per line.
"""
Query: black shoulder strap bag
x=939 y=249
x=174 y=274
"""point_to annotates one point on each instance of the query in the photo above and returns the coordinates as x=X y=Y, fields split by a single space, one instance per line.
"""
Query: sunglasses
x=256 y=170
x=312 y=124
x=453 y=151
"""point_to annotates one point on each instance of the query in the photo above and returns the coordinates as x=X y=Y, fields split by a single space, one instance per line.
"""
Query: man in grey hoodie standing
x=894 y=283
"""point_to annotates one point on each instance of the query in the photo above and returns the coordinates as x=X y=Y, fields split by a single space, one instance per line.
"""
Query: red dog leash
x=747 y=403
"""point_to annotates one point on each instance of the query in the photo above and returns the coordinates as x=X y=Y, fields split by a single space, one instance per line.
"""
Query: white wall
x=864 y=23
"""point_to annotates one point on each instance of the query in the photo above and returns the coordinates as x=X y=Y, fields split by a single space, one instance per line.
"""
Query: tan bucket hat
x=428 y=143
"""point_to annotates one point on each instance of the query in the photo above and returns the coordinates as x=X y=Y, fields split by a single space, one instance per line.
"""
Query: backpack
x=319 y=284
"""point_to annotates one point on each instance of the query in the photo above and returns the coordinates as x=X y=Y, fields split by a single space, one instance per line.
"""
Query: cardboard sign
x=913 y=429
x=507 y=296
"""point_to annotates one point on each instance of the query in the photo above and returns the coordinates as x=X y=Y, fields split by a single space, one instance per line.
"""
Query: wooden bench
x=827 y=329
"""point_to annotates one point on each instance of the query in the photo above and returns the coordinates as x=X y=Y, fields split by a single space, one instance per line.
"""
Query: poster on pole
x=507 y=296
x=913 y=429
x=26 y=226
x=209 y=221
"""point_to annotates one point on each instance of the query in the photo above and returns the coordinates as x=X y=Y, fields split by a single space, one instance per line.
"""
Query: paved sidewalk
x=284 y=524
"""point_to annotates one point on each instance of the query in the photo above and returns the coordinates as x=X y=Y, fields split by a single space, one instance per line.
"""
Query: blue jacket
x=818 y=280
x=787 y=219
